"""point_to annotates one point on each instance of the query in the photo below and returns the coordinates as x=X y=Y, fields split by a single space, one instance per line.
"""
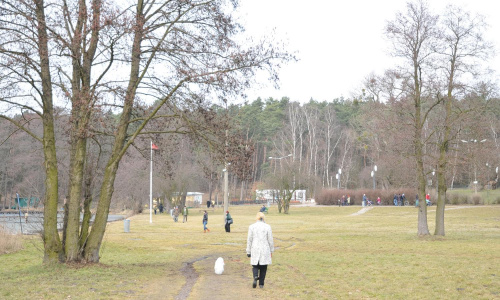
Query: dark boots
x=259 y=273
x=254 y=284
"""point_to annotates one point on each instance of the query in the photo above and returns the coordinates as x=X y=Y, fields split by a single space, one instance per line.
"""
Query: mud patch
x=191 y=278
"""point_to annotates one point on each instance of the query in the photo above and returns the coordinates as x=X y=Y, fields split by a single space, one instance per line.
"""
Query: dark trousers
x=262 y=275
x=228 y=227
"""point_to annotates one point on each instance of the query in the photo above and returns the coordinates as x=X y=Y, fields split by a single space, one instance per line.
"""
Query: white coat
x=260 y=243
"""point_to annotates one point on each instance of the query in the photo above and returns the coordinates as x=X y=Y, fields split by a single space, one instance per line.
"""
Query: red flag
x=154 y=147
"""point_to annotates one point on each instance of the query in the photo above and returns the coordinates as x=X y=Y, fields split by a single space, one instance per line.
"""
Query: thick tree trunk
x=423 y=228
x=52 y=242
x=443 y=155
x=441 y=173
x=72 y=244
x=93 y=245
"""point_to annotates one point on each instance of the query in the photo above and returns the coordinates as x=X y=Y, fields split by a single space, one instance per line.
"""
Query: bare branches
x=22 y=127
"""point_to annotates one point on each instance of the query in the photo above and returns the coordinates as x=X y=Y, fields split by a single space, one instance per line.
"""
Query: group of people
x=175 y=214
x=345 y=201
x=159 y=207
x=228 y=220
x=260 y=245
x=399 y=199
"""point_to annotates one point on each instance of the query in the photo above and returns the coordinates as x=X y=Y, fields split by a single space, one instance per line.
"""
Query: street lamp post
x=278 y=158
x=226 y=188
x=432 y=183
x=373 y=176
x=338 y=178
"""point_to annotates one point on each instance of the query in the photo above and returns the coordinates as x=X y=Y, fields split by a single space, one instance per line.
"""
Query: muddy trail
x=203 y=283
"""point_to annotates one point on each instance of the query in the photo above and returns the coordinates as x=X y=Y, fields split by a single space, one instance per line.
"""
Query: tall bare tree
x=464 y=49
x=414 y=36
x=73 y=51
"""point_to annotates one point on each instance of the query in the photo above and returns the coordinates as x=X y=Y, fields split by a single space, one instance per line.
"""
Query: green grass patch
x=469 y=196
x=321 y=253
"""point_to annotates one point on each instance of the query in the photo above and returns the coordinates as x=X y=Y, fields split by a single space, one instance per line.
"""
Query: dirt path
x=191 y=277
x=203 y=283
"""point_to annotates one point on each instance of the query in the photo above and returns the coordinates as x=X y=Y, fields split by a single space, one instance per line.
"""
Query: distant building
x=194 y=199
x=270 y=195
x=25 y=202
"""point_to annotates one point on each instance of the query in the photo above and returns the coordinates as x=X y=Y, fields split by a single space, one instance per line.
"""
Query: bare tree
x=73 y=51
x=414 y=36
x=463 y=51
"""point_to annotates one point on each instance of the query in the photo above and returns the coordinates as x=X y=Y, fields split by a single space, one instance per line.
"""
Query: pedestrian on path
x=185 y=213
x=176 y=214
x=205 y=221
x=260 y=247
x=229 y=221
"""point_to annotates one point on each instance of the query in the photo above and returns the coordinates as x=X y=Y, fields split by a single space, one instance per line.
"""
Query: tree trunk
x=93 y=245
x=84 y=232
x=242 y=188
x=277 y=196
x=423 y=228
x=52 y=242
x=210 y=188
x=72 y=233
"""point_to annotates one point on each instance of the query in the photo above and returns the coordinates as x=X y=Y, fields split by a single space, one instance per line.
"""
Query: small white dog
x=219 y=266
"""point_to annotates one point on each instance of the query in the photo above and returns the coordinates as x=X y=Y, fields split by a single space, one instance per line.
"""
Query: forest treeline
x=352 y=135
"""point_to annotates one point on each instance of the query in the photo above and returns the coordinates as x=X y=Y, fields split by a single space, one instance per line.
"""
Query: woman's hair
x=260 y=216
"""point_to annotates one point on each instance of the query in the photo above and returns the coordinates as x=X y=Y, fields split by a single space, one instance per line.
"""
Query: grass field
x=321 y=253
x=486 y=196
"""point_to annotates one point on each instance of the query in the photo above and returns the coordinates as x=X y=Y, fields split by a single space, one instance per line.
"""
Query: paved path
x=362 y=211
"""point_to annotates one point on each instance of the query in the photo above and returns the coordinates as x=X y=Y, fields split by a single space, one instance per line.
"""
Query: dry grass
x=8 y=242
x=321 y=253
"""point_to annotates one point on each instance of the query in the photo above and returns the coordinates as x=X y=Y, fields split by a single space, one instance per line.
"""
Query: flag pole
x=151 y=186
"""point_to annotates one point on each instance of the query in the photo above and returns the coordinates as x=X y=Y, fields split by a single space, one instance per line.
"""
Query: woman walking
x=229 y=221
x=259 y=248
x=205 y=221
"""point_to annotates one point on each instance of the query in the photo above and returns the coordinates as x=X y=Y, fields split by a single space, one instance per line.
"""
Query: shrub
x=8 y=242
x=476 y=199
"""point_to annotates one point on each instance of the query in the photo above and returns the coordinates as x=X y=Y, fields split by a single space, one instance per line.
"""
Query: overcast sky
x=338 y=42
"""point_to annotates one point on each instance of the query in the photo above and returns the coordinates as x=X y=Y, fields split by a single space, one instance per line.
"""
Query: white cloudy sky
x=338 y=42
